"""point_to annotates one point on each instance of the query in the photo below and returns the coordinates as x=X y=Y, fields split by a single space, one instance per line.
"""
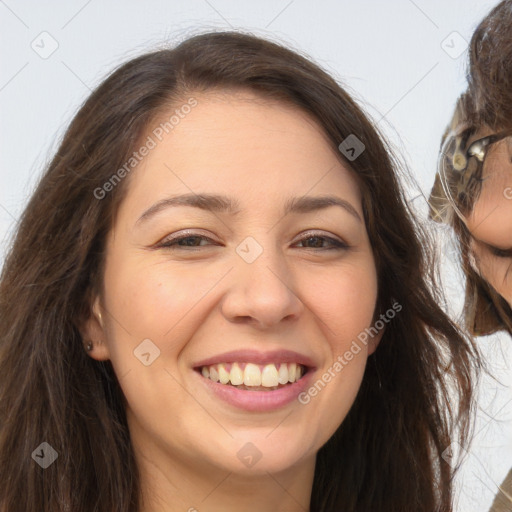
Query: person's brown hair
x=487 y=101
x=416 y=394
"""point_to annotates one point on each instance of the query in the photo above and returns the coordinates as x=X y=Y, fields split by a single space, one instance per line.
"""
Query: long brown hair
x=387 y=455
x=487 y=101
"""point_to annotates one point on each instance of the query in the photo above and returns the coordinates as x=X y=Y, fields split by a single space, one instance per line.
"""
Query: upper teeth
x=250 y=374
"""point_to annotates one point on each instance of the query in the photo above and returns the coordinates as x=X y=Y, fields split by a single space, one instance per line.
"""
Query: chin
x=259 y=454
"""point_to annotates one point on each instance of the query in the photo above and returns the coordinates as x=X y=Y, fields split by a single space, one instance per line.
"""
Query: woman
x=473 y=187
x=218 y=300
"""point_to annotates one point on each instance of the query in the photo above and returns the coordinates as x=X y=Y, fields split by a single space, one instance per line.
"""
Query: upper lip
x=257 y=357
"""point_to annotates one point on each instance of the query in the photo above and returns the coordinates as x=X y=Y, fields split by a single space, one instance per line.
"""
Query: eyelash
x=173 y=242
x=500 y=253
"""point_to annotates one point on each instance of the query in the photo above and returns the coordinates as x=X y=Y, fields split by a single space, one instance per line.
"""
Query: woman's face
x=266 y=279
x=491 y=220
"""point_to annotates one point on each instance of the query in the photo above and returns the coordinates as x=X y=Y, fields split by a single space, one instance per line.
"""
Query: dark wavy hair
x=487 y=101
x=416 y=396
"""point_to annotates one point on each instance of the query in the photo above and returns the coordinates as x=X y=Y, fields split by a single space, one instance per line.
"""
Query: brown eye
x=500 y=253
x=317 y=241
x=190 y=240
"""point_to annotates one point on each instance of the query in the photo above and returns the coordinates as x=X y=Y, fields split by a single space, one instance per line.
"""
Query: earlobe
x=93 y=333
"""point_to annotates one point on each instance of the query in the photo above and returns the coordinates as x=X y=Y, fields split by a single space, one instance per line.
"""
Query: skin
x=196 y=302
x=490 y=222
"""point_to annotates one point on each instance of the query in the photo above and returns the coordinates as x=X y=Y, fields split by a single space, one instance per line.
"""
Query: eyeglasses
x=460 y=169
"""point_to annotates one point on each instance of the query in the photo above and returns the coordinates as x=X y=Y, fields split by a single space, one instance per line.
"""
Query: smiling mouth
x=254 y=377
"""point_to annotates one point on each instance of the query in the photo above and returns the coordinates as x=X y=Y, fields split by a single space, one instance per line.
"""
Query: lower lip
x=258 y=401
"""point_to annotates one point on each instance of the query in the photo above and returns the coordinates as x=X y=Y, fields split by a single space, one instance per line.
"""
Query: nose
x=262 y=293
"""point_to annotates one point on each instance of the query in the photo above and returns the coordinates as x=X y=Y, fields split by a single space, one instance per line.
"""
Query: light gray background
x=390 y=54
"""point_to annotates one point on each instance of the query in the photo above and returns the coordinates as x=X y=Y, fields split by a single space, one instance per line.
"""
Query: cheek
x=491 y=218
x=153 y=311
x=151 y=298
x=345 y=300
x=153 y=307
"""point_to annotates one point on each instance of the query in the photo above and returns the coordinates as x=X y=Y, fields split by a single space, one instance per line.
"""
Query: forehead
x=242 y=142
x=241 y=121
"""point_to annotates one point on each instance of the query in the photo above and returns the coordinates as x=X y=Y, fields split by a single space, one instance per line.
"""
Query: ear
x=374 y=341
x=93 y=331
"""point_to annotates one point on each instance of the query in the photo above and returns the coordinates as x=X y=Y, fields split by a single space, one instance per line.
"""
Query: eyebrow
x=223 y=204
